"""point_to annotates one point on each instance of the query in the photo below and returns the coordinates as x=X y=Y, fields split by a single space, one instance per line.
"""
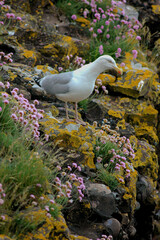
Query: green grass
x=108 y=178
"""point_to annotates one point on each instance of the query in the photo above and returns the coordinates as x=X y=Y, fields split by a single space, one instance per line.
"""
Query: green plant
x=108 y=178
x=70 y=7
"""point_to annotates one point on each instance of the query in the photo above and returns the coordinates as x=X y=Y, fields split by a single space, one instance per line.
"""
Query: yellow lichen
x=30 y=54
x=84 y=22
x=116 y=114
x=156 y=9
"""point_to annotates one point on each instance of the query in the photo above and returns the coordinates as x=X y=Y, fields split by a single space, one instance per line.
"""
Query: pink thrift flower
x=7 y=85
x=122 y=64
x=107 y=22
x=47 y=208
x=74 y=165
x=38 y=185
x=32 y=196
x=3 y=217
x=91 y=29
x=5 y=95
x=60 y=69
x=69 y=168
x=94 y=35
x=99 y=31
x=36 y=102
x=134 y=52
x=1 y=201
x=19 y=18
x=108 y=36
x=138 y=38
x=101 y=51
x=99 y=159
x=2 y=85
x=119 y=50
x=74 y=17
x=0 y=109
x=6 y=101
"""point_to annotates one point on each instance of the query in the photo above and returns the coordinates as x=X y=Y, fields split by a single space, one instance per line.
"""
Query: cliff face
x=121 y=197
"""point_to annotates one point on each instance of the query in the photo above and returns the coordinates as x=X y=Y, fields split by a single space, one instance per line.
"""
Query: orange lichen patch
x=106 y=78
x=50 y=49
x=147 y=132
x=121 y=124
x=156 y=9
x=30 y=54
x=116 y=114
x=4 y=237
x=143 y=113
x=12 y=75
x=69 y=45
x=45 y=69
x=84 y=22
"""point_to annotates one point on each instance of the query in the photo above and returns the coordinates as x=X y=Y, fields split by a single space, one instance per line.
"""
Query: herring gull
x=77 y=85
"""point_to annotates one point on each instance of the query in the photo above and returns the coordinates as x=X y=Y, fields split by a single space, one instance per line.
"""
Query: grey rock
x=113 y=227
x=102 y=200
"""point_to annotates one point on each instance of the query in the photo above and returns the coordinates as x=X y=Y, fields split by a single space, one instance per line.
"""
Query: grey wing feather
x=56 y=83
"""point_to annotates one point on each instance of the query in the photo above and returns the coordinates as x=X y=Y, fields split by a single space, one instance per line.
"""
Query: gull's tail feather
x=37 y=80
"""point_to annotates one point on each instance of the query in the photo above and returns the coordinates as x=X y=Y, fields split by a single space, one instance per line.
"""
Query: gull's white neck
x=92 y=70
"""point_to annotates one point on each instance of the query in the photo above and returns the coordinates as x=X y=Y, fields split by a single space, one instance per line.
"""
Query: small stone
x=113 y=226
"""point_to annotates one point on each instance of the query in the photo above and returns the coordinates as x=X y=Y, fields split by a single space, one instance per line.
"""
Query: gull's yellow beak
x=119 y=71
x=116 y=71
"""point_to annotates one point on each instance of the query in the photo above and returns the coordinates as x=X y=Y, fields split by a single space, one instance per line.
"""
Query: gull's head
x=109 y=65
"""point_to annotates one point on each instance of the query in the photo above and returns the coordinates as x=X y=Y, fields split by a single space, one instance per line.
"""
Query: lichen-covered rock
x=136 y=80
x=71 y=136
x=4 y=237
x=139 y=113
x=146 y=160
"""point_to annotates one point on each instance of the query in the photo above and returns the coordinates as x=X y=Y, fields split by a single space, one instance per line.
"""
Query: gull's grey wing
x=56 y=83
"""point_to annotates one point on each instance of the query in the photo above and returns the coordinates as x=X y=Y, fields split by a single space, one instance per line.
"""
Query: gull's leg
x=76 y=116
x=66 y=108
x=76 y=112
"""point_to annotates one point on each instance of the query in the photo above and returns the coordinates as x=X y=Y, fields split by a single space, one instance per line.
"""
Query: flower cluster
x=112 y=150
x=104 y=237
x=8 y=15
x=100 y=85
x=5 y=58
x=9 y=18
x=68 y=184
x=2 y=196
x=24 y=113
x=111 y=27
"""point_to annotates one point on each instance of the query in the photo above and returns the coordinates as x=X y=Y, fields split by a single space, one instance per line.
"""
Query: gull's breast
x=79 y=89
